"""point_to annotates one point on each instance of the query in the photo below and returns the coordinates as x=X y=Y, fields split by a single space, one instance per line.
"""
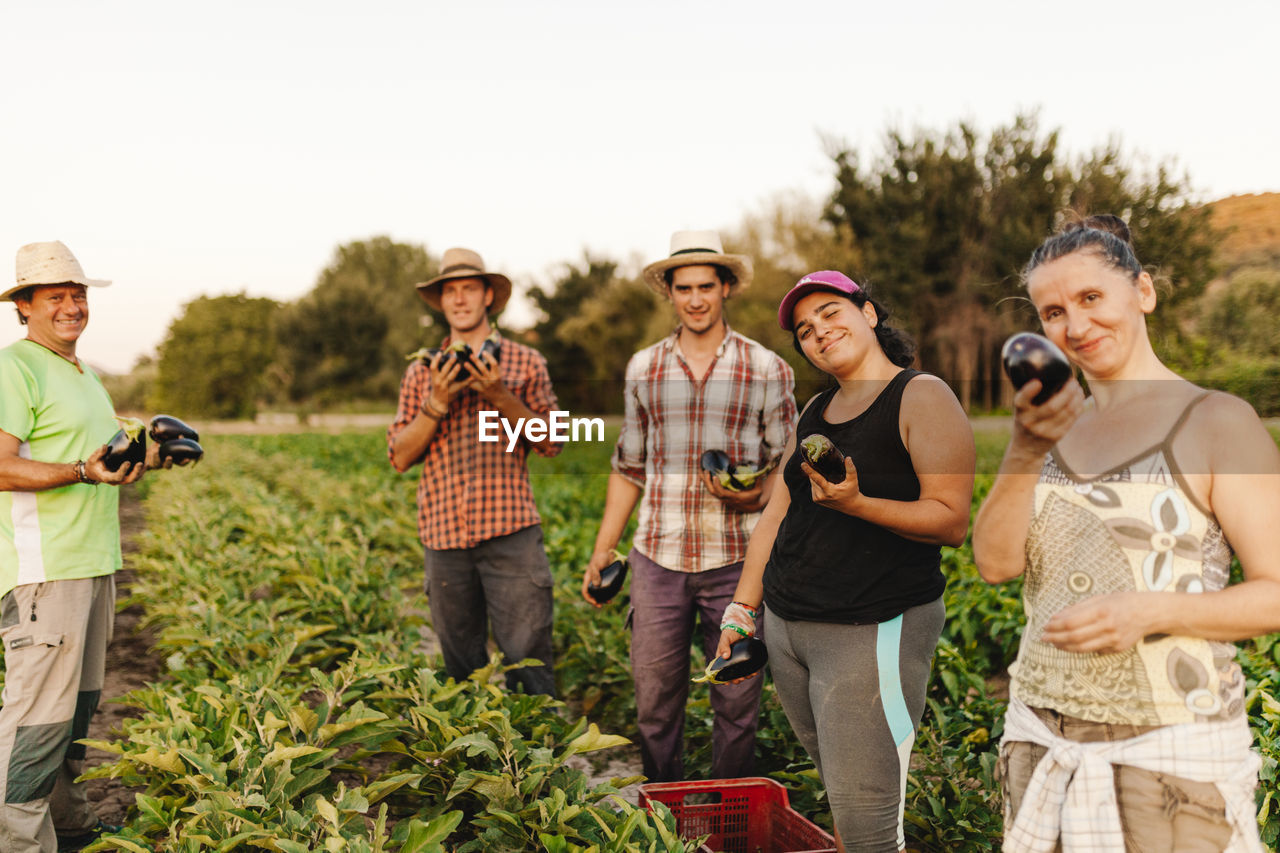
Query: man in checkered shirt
x=485 y=563
x=703 y=388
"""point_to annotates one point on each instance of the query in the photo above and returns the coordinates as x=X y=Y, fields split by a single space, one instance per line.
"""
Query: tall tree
x=214 y=357
x=347 y=338
x=945 y=221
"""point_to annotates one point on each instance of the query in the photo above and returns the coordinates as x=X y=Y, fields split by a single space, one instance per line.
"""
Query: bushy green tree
x=214 y=357
x=945 y=221
x=347 y=338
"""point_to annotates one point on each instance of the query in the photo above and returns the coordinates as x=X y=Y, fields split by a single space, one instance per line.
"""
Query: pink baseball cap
x=837 y=282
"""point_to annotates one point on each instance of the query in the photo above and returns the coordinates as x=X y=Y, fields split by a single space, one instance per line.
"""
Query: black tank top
x=827 y=566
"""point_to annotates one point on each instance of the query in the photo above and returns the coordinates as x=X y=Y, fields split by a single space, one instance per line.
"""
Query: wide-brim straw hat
x=698 y=247
x=464 y=263
x=48 y=263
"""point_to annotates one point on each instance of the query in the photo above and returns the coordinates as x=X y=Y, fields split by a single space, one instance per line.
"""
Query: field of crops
x=298 y=710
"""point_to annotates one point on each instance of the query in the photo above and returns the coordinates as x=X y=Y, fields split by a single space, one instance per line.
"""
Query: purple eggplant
x=129 y=444
x=747 y=657
x=1028 y=356
x=181 y=450
x=611 y=578
x=823 y=457
x=166 y=428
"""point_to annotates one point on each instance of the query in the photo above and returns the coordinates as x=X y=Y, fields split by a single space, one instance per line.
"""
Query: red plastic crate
x=750 y=815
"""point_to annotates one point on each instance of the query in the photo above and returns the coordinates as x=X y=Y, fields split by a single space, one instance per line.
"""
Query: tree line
x=938 y=223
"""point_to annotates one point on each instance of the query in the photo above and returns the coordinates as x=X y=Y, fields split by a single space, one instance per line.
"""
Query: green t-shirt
x=60 y=415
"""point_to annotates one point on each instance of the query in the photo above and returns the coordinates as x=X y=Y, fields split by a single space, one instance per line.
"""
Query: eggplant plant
x=129 y=444
x=1028 y=356
x=824 y=457
x=747 y=657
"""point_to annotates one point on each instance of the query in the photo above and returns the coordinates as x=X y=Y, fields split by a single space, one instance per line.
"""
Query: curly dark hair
x=896 y=344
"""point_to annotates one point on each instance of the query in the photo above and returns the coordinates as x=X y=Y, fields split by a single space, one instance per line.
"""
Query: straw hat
x=48 y=263
x=698 y=247
x=464 y=263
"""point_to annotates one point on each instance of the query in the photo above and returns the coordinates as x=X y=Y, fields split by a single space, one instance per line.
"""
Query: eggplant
x=735 y=478
x=461 y=352
x=611 y=578
x=129 y=444
x=823 y=456
x=747 y=657
x=166 y=428
x=1028 y=356
x=181 y=450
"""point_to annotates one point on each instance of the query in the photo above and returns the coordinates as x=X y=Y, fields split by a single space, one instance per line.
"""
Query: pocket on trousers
x=15 y=643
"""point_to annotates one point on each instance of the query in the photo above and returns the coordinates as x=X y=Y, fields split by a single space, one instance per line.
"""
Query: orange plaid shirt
x=472 y=491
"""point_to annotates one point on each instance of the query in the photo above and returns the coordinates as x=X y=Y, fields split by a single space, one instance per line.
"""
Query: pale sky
x=183 y=149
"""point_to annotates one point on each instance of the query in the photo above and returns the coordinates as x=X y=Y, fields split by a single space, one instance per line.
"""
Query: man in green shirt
x=59 y=549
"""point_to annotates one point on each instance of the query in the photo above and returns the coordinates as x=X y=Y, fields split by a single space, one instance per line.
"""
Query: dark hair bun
x=1107 y=222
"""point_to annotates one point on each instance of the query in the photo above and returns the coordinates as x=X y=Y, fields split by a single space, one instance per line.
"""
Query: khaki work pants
x=55 y=638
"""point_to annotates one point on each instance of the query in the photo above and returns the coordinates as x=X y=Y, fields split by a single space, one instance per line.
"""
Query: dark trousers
x=666 y=604
x=503 y=583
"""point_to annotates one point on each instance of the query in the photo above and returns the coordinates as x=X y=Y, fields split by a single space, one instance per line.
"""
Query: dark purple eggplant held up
x=1028 y=356
x=611 y=578
x=181 y=450
x=129 y=444
x=822 y=455
x=166 y=428
x=747 y=657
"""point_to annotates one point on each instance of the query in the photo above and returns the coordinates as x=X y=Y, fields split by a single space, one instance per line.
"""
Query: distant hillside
x=1252 y=226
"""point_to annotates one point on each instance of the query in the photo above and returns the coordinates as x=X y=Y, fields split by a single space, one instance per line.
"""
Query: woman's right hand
x=1036 y=429
x=728 y=637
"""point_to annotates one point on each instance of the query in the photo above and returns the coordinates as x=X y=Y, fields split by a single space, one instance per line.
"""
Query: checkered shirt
x=472 y=491
x=1072 y=793
x=743 y=406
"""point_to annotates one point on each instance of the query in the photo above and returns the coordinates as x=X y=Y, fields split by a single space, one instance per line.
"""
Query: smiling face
x=698 y=296
x=1094 y=312
x=57 y=315
x=465 y=303
x=834 y=333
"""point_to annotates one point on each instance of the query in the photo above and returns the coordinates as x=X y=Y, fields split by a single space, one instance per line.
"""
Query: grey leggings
x=854 y=695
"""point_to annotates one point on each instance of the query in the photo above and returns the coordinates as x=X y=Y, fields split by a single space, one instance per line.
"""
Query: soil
x=130 y=665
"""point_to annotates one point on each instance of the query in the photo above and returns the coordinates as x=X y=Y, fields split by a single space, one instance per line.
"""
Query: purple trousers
x=665 y=605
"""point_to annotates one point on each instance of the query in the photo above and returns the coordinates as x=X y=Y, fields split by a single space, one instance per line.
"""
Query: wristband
x=81 y=475
x=739 y=617
x=754 y=611
x=430 y=411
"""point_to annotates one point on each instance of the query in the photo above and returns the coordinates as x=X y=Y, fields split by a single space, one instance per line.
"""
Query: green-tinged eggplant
x=747 y=657
x=129 y=444
x=166 y=428
x=735 y=478
x=823 y=457
x=1028 y=356
x=611 y=578
x=181 y=450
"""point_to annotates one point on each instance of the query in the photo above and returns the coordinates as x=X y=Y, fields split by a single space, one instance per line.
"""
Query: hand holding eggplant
x=739 y=500
x=446 y=379
x=742 y=659
x=486 y=376
x=96 y=470
x=592 y=582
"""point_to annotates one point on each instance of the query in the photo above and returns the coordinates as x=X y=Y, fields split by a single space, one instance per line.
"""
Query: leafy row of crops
x=298 y=710
x=283 y=579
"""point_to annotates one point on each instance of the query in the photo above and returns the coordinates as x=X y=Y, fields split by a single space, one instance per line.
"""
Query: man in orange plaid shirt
x=485 y=563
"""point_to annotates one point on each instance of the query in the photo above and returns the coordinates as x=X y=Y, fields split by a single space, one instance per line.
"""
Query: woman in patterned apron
x=1126 y=727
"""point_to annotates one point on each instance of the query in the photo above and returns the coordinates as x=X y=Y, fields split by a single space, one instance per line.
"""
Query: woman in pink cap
x=850 y=571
